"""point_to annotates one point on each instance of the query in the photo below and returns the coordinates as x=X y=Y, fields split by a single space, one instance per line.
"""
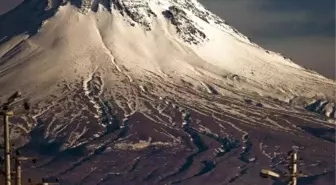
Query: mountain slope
x=204 y=48
x=115 y=81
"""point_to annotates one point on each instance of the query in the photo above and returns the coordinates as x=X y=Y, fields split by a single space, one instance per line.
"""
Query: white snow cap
x=156 y=41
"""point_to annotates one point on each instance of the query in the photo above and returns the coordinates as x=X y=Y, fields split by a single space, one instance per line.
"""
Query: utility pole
x=6 y=113
x=18 y=171
x=18 y=167
x=292 y=169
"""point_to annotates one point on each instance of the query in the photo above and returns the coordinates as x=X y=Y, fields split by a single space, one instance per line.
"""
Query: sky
x=303 y=30
x=6 y=5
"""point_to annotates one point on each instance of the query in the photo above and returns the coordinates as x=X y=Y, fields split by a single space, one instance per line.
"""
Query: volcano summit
x=158 y=92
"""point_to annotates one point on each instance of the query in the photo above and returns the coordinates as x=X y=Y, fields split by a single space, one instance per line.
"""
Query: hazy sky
x=6 y=5
x=303 y=30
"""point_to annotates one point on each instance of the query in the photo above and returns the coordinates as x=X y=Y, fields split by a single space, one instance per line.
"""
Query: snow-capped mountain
x=176 y=40
x=134 y=77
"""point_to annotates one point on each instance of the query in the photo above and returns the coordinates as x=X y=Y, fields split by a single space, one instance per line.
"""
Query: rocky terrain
x=158 y=92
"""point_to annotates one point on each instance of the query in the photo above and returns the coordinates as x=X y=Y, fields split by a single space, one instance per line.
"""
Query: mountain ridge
x=194 y=33
x=115 y=102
